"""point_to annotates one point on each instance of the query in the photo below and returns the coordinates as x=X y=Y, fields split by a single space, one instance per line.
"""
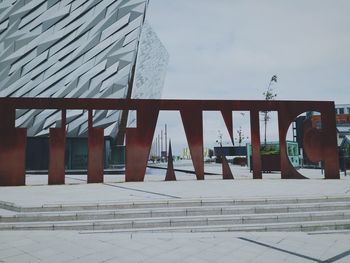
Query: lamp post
x=219 y=140
x=345 y=151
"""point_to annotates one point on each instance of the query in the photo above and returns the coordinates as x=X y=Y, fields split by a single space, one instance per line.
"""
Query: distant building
x=313 y=119
x=186 y=153
x=343 y=130
x=344 y=153
x=270 y=155
x=342 y=109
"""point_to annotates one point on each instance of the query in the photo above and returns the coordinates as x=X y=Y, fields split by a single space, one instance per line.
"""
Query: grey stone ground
x=75 y=246
x=70 y=246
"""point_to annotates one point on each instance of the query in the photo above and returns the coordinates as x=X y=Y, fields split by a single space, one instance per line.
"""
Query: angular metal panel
x=151 y=66
x=68 y=42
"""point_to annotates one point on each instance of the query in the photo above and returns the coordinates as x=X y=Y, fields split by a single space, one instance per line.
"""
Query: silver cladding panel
x=68 y=48
x=151 y=67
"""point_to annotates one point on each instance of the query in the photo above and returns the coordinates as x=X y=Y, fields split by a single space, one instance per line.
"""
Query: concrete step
x=173 y=212
x=187 y=221
x=172 y=203
x=191 y=215
x=309 y=226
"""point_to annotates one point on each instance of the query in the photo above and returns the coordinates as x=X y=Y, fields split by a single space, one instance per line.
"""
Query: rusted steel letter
x=12 y=149
x=285 y=117
x=226 y=170
x=192 y=120
x=95 y=152
x=255 y=135
x=227 y=115
x=170 y=174
x=139 y=142
x=57 y=141
x=330 y=151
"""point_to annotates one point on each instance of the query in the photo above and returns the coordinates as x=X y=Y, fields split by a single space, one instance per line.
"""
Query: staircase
x=186 y=215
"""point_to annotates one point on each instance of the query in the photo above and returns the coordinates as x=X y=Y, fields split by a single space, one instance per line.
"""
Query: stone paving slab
x=73 y=246
x=69 y=246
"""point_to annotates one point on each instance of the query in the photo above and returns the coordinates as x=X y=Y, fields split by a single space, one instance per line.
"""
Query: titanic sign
x=319 y=144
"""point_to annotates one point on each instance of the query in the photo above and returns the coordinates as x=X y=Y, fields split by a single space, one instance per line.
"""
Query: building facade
x=314 y=120
x=342 y=108
x=77 y=49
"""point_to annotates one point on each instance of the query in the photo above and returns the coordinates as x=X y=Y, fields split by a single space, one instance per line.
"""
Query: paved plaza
x=68 y=246
x=109 y=246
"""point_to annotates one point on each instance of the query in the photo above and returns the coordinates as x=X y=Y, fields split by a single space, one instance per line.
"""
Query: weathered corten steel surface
x=12 y=149
x=255 y=142
x=139 y=142
x=12 y=156
x=192 y=119
x=57 y=140
x=95 y=152
x=319 y=145
x=226 y=170
x=170 y=173
x=95 y=155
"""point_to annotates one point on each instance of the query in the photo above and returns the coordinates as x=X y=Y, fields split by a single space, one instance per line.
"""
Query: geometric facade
x=77 y=49
x=151 y=66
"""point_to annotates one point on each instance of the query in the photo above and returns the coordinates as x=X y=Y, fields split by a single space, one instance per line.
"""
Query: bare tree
x=241 y=136
x=269 y=95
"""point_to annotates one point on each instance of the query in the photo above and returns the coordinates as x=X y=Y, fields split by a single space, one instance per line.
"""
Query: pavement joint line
x=280 y=249
x=344 y=232
x=143 y=191
x=330 y=260
x=180 y=170
x=83 y=180
x=337 y=257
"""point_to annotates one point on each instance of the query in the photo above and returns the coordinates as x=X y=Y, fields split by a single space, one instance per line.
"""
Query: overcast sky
x=228 y=49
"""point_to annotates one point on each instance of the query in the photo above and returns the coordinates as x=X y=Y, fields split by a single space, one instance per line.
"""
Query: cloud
x=229 y=49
